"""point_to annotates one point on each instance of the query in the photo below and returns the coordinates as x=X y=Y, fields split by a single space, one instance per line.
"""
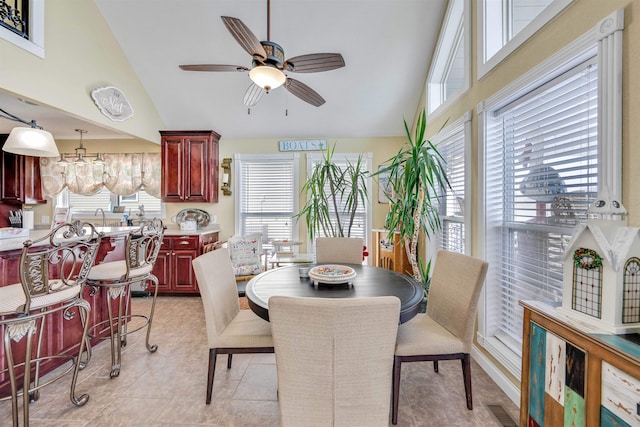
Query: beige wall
x=382 y=149
x=577 y=19
x=80 y=55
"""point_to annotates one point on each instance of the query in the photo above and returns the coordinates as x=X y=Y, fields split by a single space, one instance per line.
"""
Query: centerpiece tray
x=332 y=274
x=201 y=217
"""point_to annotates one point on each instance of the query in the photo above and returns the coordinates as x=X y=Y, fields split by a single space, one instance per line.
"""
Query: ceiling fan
x=269 y=65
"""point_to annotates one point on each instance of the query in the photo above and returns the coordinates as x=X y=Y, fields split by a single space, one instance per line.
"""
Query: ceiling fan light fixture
x=267 y=77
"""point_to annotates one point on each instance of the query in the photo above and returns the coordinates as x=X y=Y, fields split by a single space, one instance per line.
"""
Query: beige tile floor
x=167 y=388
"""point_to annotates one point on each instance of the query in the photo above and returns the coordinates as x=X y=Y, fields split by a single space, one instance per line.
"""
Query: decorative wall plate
x=112 y=102
x=201 y=217
x=332 y=274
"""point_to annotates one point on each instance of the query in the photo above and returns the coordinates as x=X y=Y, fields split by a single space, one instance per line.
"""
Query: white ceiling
x=386 y=44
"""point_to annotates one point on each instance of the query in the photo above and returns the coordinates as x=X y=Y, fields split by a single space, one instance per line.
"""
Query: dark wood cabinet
x=19 y=178
x=190 y=166
x=173 y=266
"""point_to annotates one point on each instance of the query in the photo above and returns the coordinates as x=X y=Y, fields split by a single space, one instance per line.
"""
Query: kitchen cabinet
x=573 y=374
x=19 y=178
x=190 y=166
x=173 y=266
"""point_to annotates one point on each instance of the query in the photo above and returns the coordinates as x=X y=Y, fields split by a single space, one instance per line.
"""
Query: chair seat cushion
x=246 y=330
x=12 y=297
x=422 y=335
x=114 y=270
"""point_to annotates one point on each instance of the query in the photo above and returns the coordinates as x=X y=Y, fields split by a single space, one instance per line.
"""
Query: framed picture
x=384 y=187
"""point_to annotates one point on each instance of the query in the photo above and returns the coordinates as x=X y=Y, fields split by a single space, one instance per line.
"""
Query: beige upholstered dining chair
x=334 y=359
x=445 y=331
x=229 y=329
x=346 y=250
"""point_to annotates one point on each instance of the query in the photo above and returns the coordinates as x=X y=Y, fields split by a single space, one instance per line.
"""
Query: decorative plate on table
x=332 y=274
x=201 y=217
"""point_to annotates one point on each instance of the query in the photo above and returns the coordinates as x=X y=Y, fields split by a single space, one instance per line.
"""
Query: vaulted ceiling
x=386 y=45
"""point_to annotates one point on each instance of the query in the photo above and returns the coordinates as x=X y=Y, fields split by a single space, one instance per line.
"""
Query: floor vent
x=502 y=416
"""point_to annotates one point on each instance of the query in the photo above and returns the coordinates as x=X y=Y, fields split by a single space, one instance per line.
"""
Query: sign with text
x=303 y=145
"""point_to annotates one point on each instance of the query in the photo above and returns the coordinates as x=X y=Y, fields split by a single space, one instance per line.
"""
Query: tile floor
x=167 y=388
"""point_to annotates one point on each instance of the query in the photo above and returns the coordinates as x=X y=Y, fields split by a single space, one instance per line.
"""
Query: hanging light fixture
x=29 y=141
x=80 y=155
x=81 y=152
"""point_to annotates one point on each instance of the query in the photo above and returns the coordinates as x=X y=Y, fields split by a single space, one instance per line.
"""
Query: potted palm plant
x=334 y=195
x=417 y=178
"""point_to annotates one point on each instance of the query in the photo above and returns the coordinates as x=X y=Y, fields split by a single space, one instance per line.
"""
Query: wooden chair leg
x=229 y=361
x=213 y=355
x=395 y=390
x=466 y=375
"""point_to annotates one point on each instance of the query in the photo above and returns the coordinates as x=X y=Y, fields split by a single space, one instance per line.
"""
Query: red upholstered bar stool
x=116 y=277
x=52 y=273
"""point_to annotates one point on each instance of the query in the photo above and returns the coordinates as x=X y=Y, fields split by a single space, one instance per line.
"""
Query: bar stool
x=116 y=278
x=52 y=272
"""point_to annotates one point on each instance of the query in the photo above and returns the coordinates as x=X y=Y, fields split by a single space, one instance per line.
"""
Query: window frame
x=313 y=158
x=484 y=64
x=237 y=174
x=457 y=16
x=35 y=43
x=460 y=126
x=609 y=143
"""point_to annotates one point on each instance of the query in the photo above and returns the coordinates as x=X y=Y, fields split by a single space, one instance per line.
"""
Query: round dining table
x=368 y=282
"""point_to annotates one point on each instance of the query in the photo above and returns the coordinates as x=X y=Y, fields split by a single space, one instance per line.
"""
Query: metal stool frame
x=69 y=248
x=141 y=251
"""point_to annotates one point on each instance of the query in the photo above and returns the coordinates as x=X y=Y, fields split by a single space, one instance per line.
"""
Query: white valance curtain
x=122 y=174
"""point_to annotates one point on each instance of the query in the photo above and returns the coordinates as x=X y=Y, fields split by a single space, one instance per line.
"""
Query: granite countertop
x=172 y=230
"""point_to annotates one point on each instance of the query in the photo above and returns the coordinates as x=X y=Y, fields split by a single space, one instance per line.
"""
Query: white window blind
x=266 y=197
x=452 y=235
x=541 y=175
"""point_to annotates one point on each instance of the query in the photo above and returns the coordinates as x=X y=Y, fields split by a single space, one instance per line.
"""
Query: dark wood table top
x=369 y=282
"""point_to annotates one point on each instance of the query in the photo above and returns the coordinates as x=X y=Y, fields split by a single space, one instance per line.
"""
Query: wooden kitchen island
x=61 y=336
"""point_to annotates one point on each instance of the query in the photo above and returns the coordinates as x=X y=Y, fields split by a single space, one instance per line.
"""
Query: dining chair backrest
x=454 y=292
x=347 y=250
x=334 y=359
x=246 y=254
x=217 y=285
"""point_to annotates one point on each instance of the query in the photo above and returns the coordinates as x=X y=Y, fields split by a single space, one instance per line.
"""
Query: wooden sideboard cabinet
x=19 y=178
x=389 y=253
x=173 y=266
x=190 y=166
x=575 y=375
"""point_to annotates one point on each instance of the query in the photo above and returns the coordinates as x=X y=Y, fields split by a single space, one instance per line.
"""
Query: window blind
x=452 y=201
x=541 y=176
x=266 y=197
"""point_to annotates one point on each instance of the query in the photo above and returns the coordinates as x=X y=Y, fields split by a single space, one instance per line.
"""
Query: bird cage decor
x=601 y=270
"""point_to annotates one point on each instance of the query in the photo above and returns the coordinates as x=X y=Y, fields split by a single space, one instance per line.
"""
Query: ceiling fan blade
x=314 y=63
x=304 y=92
x=244 y=36
x=253 y=95
x=213 y=67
